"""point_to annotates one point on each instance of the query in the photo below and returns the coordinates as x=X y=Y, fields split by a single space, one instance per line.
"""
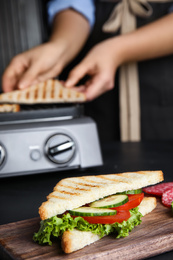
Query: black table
x=21 y=196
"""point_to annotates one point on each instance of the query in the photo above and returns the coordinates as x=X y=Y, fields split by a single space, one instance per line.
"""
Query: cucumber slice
x=138 y=191
x=87 y=211
x=110 y=201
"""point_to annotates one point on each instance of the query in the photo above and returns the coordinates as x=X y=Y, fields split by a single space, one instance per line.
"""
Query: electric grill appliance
x=46 y=139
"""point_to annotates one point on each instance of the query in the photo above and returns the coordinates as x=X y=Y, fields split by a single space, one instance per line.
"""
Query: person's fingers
x=13 y=73
x=98 y=85
x=51 y=73
x=77 y=74
x=9 y=82
x=30 y=75
x=80 y=88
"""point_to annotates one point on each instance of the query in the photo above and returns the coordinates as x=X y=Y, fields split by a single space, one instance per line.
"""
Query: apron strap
x=123 y=17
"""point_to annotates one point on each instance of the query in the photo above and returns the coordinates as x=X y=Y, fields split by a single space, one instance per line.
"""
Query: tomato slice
x=119 y=217
x=134 y=201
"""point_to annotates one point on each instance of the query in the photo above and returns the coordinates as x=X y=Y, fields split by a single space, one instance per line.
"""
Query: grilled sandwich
x=50 y=91
x=7 y=108
x=112 y=199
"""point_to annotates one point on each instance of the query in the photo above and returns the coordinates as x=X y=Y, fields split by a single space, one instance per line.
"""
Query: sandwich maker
x=47 y=138
x=40 y=138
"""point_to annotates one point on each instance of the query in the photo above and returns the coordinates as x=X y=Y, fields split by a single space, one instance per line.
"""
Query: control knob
x=60 y=148
x=2 y=154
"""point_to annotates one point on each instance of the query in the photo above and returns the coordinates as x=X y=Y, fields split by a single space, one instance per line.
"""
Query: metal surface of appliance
x=49 y=139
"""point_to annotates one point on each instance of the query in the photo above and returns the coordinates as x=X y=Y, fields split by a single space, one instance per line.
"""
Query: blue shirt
x=85 y=7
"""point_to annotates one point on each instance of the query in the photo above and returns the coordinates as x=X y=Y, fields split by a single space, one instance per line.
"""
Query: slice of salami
x=158 y=189
x=167 y=198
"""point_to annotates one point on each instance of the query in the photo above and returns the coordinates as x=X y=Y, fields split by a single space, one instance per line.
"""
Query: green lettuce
x=55 y=227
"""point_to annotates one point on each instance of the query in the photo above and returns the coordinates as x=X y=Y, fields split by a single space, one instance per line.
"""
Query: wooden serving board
x=154 y=236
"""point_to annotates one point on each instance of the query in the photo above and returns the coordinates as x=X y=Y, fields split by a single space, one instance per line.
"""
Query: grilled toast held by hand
x=50 y=91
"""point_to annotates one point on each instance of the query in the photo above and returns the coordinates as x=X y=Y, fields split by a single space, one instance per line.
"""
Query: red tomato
x=119 y=217
x=134 y=201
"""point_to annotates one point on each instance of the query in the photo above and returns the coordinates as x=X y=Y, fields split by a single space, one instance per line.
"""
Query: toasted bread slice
x=75 y=240
x=7 y=108
x=50 y=91
x=74 y=192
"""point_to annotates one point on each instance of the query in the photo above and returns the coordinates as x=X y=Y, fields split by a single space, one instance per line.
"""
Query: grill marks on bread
x=50 y=91
x=7 y=108
x=74 y=192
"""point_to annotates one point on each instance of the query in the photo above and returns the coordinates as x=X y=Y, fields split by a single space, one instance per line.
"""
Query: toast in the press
x=7 y=108
x=50 y=91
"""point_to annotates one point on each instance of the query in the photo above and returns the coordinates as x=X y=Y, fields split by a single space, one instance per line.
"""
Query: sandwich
x=82 y=210
x=50 y=91
x=7 y=108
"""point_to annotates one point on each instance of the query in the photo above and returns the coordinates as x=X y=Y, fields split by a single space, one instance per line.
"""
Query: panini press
x=47 y=139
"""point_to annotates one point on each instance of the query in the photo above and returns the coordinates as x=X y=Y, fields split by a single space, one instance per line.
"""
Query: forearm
x=102 y=61
x=151 y=41
x=71 y=30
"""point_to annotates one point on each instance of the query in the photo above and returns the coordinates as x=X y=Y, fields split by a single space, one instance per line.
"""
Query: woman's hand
x=100 y=64
x=70 y=32
x=38 y=64
x=148 y=42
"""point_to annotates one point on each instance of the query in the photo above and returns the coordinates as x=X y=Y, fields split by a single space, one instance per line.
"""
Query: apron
x=155 y=80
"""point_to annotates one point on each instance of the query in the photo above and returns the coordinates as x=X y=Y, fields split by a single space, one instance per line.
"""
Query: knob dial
x=2 y=154
x=60 y=148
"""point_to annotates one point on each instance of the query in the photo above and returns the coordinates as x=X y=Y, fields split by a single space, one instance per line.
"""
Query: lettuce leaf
x=55 y=227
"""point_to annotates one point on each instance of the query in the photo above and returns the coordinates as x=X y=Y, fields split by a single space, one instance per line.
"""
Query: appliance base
x=37 y=147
